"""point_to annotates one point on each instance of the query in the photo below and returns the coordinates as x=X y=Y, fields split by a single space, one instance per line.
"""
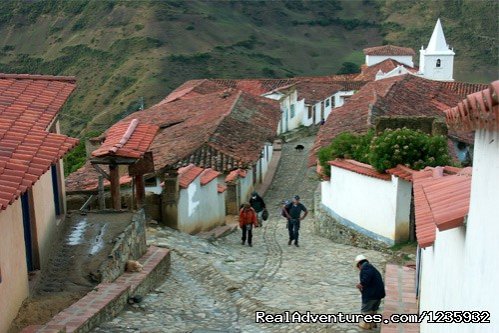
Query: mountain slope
x=127 y=53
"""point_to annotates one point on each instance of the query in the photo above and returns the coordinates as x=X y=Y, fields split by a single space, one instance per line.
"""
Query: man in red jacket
x=247 y=219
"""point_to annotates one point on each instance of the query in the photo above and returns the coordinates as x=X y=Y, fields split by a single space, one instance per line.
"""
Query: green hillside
x=125 y=52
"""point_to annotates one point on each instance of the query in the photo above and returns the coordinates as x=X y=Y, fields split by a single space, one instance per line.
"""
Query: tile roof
x=441 y=201
x=28 y=105
x=127 y=139
x=208 y=175
x=221 y=188
x=86 y=179
x=194 y=88
x=360 y=168
x=368 y=73
x=254 y=86
x=313 y=92
x=388 y=50
x=235 y=174
x=33 y=99
x=403 y=95
x=402 y=172
x=187 y=174
x=478 y=110
x=223 y=130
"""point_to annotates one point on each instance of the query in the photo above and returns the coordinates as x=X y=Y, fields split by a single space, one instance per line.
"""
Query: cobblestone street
x=217 y=286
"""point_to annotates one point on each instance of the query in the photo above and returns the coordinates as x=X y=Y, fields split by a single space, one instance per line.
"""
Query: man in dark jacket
x=372 y=288
x=257 y=203
x=293 y=212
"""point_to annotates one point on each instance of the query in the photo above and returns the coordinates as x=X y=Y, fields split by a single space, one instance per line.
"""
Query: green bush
x=413 y=149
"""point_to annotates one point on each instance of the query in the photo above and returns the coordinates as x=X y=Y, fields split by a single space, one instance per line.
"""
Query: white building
x=377 y=54
x=369 y=203
x=436 y=62
x=457 y=225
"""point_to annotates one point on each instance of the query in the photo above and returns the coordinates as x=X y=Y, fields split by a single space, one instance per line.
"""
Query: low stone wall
x=129 y=245
x=327 y=226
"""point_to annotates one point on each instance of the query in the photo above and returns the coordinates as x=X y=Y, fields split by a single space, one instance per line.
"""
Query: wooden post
x=140 y=190
x=114 y=174
x=102 y=199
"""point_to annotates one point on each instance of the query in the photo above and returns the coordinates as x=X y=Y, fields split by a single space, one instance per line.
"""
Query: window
x=309 y=109
x=328 y=101
x=439 y=63
x=292 y=110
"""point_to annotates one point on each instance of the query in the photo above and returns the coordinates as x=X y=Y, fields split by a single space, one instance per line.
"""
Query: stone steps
x=108 y=299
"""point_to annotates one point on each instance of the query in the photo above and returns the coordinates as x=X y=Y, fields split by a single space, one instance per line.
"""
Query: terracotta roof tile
x=221 y=188
x=222 y=130
x=208 y=175
x=235 y=174
x=478 y=110
x=368 y=73
x=360 y=168
x=441 y=201
x=402 y=172
x=188 y=174
x=127 y=139
x=403 y=95
x=313 y=92
x=28 y=104
x=389 y=50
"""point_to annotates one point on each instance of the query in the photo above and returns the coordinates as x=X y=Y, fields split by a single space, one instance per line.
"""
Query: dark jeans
x=293 y=228
x=371 y=305
x=249 y=231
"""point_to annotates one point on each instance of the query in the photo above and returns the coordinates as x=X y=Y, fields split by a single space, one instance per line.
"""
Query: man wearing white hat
x=372 y=288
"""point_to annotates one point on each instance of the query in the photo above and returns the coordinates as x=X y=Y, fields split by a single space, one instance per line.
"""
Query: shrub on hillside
x=414 y=149
x=345 y=145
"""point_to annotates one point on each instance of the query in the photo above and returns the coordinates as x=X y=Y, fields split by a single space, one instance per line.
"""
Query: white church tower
x=437 y=61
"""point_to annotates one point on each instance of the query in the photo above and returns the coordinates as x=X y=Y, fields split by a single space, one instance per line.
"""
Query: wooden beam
x=113 y=160
x=101 y=171
x=115 y=186
x=140 y=190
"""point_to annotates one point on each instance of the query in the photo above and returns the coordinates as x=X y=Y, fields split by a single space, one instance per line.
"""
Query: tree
x=348 y=68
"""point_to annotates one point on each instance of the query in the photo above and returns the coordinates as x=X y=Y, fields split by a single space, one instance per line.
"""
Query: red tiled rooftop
x=222 y=130
x=221 y=188
x=387 y=50
x=368 y=73
x=403 y=95
x=28 y=105
x=86 y=179
x=313 y=92
x=127 y=139
x=441 y=201
x=402 y=172
x=188 y=174
x=33 y=100
x=478 y=110
x=208 y=175
x=235 y=174
x=360 y=168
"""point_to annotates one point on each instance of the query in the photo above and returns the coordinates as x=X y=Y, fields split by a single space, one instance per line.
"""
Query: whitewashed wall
x=246 y=186
x=339 y=97
x=306 y=120
x=428 y=66
x=369 y=205
x=373 y=59
x=200 y=207
x=13 y=269
x=459 y=271
x=263 y=163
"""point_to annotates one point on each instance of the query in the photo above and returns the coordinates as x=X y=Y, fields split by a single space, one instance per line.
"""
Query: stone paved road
x=217 y=286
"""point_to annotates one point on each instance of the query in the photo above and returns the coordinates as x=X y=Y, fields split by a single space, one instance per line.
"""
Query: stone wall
x=327 y=226
x=129 y=245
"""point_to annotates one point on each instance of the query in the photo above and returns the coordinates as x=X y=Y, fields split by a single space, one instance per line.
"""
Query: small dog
x=299 y=147
x=133 y=266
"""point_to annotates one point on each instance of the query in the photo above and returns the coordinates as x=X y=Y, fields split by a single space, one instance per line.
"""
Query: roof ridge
x=126 y=136
x=71 y=79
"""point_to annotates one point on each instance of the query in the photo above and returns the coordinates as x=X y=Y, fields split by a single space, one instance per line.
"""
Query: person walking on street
x=293 y=213
x=247 y=219
x=257 y=203
x=371 y=287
